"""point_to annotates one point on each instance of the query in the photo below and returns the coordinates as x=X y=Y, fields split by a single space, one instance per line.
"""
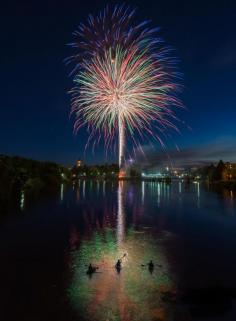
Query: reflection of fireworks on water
x=124 y=79
x=134 y=294
x=120 y=214
x=134 y=291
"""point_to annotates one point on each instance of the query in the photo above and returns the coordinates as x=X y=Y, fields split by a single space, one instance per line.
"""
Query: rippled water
x=46 y=245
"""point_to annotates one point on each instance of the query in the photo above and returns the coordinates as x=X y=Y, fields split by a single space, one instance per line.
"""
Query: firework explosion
x=125 y=79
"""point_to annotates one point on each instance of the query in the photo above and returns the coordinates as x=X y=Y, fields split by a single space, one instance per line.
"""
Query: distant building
x=79 y=163
x=229 y=172
x=177 y=172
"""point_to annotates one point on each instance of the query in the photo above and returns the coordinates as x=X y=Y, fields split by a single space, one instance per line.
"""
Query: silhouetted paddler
x=91 y=269
x=118 y=265
x=151 y=266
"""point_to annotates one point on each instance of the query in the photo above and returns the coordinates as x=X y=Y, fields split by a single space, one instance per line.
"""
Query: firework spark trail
x=126 y=81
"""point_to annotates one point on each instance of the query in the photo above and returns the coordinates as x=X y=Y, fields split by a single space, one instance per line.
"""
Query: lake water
x=46 y=244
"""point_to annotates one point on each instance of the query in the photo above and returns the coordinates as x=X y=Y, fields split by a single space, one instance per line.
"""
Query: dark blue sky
x=34 y=113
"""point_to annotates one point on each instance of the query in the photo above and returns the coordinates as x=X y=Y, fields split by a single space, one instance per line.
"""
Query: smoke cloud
x=223 y=148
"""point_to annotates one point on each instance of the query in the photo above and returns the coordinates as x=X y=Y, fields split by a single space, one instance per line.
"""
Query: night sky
x=34 y=113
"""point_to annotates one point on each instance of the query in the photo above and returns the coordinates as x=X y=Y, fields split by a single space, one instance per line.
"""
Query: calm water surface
x=46 y=245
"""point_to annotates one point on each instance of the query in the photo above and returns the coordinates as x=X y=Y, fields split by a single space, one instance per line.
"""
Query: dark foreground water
x=187 y=230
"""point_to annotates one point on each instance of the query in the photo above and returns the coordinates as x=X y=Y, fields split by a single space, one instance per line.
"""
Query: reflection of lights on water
x=135 y=288
x=198 y=190
x=231 y=194
x=120 y=215
x=167 y=191
x=231 y=203
x=83 y=188
x=180 y=187
x=98 y=187
x=22 y=200
x=158 y=193
x=198 y=194
x=104 y=188
x=143 y=191
x=62 y=192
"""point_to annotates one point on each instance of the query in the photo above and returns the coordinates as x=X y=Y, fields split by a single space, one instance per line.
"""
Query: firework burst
x=125 y=80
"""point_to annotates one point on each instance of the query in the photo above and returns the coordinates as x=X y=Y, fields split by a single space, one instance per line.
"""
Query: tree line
x=20 y=173
x=222 y=172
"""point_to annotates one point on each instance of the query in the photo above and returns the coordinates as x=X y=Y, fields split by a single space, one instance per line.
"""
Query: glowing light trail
x=125 y=80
